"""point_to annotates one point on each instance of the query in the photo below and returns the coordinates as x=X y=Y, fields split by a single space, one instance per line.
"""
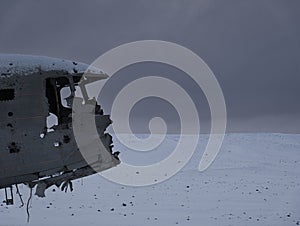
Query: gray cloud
x=252 y=46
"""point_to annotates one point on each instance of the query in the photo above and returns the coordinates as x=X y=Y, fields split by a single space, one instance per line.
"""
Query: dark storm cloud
x=252 y=46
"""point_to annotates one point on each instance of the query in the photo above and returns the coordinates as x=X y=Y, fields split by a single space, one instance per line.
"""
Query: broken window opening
x=60 y=92
x=54 y=87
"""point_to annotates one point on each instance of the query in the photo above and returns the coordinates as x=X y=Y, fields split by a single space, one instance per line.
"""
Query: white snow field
x=253 y=181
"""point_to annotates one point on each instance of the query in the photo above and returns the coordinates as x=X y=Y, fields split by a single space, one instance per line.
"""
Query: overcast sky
x=253 y=48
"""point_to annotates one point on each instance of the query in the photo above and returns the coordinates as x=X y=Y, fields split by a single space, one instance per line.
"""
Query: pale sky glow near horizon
x=251 y=46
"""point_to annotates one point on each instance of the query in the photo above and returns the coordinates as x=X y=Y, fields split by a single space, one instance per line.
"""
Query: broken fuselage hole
x=60 y=92
x=13 y=148
x=52 y=120
x=10 y=114
x=9 y=125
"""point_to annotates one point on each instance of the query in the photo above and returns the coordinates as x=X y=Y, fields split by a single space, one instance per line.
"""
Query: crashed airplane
x=32 y=89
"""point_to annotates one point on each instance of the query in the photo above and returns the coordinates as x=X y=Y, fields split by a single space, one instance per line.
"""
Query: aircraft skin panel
x=30 y=152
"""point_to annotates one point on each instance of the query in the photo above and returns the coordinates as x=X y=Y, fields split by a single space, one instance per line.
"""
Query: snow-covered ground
x=253 y=181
